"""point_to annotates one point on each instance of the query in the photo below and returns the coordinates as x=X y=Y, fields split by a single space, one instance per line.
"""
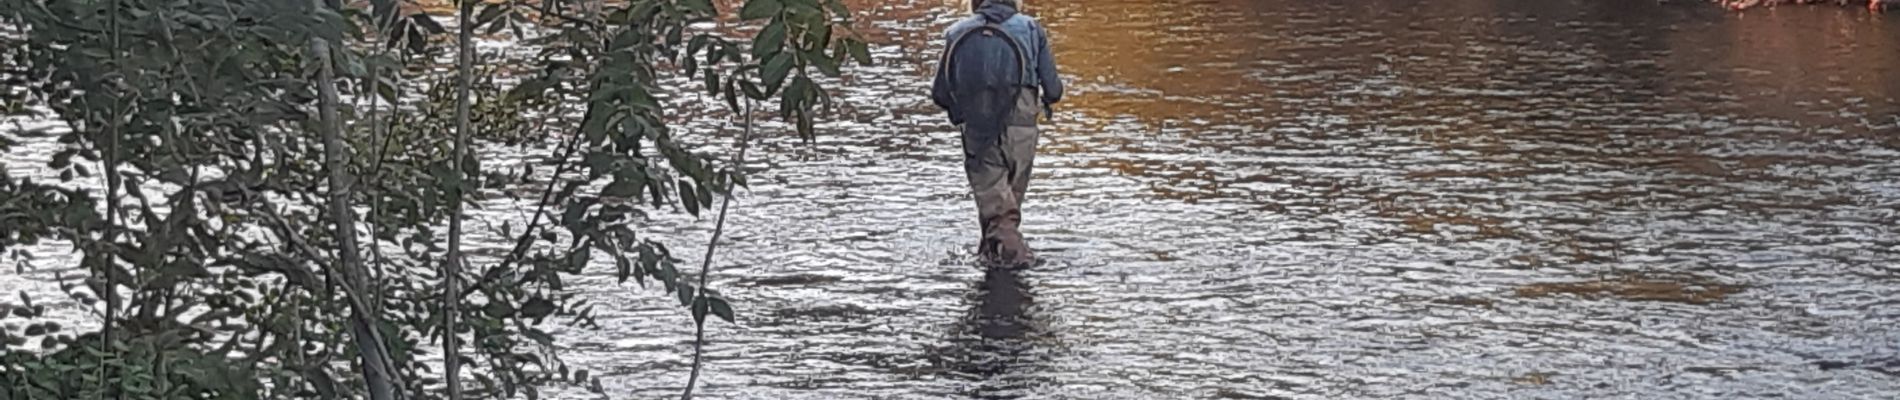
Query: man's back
x=1034 y=69
x=986 y=76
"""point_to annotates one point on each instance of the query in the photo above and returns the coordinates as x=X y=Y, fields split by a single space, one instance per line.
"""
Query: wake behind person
x=995 y=77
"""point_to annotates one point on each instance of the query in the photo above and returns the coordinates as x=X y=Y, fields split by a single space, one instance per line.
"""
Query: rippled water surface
x=1314 y=199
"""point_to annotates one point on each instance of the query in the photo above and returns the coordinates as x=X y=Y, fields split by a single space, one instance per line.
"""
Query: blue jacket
x=1022 y=28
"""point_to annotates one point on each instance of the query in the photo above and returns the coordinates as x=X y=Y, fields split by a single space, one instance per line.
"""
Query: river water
x=1315 y=200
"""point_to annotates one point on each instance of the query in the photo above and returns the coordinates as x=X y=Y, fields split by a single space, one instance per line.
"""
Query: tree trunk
x=377 y=365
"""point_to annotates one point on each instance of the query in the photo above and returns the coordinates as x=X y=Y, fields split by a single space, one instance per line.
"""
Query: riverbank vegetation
x=1876 y=5
x=266 y=198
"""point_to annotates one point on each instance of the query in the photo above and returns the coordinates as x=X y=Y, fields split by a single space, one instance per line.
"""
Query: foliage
x=213 y=246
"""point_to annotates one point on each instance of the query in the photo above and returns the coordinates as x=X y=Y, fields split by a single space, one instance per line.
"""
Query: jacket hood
x=997 y=11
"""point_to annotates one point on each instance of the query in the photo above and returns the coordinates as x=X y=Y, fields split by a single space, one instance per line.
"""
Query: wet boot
x=1002 y=243
x=1012 y=251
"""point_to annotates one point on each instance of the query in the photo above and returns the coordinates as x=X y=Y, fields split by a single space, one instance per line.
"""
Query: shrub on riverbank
x=1747 y=4
x=260 y=186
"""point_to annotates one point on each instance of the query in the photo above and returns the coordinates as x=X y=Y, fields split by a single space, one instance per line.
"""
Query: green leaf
x=648 y=258
x=795 y=96
x=606 y=91
x=537 y=308
x=387 y=90
x=859 y=51
x=719 y=306
x=837 y=7
x=770 y=39
x=574 y=212
x=622 y=268
x=532 y=87
x=638 y=96
x=576 y=262
x=805 y=125
x=668 y=272
x=827 y=65
x=352 y=65
x=418 y=43
x=806 y=11
x=819 y=35
x=775 y=71
x=490 y=11
x=699 y=309
x=732 y=98
x=693 y=46
x=488 y=384
x=538 y=336
x=428 y=23
x=497 y=310
x=716 y=52
x=655 y=190
x=382 y=8
x=515 y=21
x=673 y=37
x=706 y=196
x=497 y=26
x=760 y=9
x=689 y=197
x=623 y=187
x=685 y=293
x=712 y=81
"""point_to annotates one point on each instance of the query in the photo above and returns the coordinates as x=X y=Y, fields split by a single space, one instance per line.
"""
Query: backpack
x=985 y=67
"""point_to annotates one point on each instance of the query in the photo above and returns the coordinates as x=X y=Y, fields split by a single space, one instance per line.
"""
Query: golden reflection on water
x=1779 y=58
x=1236 y=59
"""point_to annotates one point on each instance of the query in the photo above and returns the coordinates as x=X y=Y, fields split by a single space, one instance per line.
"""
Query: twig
x=705 y=269
x=378 y=364
x=112 y=197
x=452 y=269
x=379 y=134
x=354 y=299
x=527 y=234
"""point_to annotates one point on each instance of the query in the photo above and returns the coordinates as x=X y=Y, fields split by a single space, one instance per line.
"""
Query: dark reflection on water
x=1320 y=200
x=998 y=341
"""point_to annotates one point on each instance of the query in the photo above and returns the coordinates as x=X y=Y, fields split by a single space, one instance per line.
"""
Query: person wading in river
x=995 y=77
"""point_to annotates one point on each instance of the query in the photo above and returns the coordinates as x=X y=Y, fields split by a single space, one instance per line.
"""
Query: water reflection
x=996 y=345
x=1318 y=199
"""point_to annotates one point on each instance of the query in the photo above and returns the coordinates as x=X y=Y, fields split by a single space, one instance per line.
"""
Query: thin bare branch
x=705 y=269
